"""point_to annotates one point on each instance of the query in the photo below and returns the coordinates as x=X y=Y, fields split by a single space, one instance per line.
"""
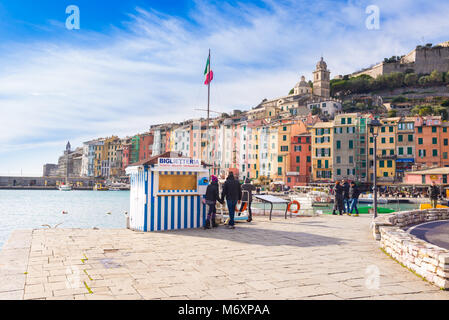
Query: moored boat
x=65 y=187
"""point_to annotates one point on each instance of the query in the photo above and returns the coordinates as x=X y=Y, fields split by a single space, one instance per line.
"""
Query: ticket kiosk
x=167 y=195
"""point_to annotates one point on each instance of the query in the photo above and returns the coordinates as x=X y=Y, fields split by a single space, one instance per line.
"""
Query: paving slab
x=323 y=257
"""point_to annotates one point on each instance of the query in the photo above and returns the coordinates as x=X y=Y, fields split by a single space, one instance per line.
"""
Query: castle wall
x=421 y=60
x=429 y=59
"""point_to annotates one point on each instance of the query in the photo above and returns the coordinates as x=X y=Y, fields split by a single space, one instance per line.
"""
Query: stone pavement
x=324 y=257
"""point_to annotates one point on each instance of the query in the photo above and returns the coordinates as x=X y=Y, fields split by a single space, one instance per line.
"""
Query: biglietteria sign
x=179 y=162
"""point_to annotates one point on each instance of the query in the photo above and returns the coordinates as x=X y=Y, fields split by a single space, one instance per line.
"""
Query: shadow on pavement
x=261 y=236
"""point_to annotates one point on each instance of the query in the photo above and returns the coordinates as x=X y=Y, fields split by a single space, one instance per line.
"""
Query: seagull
x=50 y=227
x=108 y=213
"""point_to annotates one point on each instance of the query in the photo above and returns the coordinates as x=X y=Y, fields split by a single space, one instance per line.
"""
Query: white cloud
x=152 y=72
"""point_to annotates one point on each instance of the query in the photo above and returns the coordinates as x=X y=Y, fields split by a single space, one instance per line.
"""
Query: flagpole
x=208 y=113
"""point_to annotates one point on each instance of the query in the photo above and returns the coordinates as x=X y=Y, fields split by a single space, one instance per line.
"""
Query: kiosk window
x=177 y=182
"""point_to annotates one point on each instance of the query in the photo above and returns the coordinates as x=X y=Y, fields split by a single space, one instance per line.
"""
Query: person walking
x=232 y=191
x=354 y=193
x=211 y=197
x=434 y=192
x=346 y=199
x=247 y=197
x=338 y=198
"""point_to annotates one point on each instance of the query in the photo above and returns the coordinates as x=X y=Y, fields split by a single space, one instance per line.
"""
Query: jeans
x=347 y=205
x=354 y=206
x=231 y=207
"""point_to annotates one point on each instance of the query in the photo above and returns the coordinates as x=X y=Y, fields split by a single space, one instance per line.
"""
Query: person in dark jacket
x=346 y=198
x=232 y=191
x=434 y=191
x=354 y=193
x=247 y=197
x=212 y=196
x=338 y=198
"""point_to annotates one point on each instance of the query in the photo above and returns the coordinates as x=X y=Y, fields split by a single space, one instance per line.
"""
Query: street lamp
x=374 y=126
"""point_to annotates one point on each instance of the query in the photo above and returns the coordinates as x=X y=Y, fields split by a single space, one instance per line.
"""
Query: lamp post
x=374 y=126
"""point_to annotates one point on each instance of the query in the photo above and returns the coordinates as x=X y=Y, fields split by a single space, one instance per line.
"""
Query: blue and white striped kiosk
x=167 y=195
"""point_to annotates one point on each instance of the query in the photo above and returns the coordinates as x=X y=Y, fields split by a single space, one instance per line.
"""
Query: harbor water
x=31 y=209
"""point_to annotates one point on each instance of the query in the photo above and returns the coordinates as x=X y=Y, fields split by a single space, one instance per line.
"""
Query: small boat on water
x=65 y=187
x=366 y=210
x=371 y=200
x=100 y=187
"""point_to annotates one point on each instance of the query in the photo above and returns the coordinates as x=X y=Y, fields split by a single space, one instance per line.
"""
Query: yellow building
x=283 y=152
x=98 y=156
x=322 y=151
x=253 y=151
x=386 y=151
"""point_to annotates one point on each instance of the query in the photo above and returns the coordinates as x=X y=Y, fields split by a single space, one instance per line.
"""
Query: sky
x=136 y=63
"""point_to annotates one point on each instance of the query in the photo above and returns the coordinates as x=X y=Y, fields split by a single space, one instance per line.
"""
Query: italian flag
x=208 y=73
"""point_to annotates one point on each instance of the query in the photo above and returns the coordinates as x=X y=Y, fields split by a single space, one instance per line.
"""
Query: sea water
x=31 y=209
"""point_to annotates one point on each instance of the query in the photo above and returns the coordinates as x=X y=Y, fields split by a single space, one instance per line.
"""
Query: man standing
x=212 y=196
x=354 y=193
x=232 y=191
x=434 y=191
x=346 y=199
x=338 y=198
x=247 y=196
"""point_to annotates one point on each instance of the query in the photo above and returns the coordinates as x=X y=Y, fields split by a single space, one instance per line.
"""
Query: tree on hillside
x=399 y=99
x=440 y=111
x=436 y=77
x=424 y=80
x=411 y=79
x=392 y=113
x=291 y=91
x=445 y=103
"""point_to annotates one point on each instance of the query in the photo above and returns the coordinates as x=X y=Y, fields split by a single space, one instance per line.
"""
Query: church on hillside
x=303 y=99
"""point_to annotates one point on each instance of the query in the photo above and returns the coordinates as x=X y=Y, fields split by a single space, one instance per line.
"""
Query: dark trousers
x=231 y=207
x=211 y=215
x=250 y=214
x=338 y=205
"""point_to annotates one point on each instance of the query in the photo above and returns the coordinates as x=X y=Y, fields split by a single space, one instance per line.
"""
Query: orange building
x=429 y=138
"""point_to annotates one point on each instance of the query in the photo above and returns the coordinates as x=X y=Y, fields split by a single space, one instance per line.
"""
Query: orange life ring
x=245 y=206
x=297 y=205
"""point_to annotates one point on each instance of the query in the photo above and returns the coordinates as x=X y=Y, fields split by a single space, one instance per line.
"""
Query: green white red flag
x=208 y=73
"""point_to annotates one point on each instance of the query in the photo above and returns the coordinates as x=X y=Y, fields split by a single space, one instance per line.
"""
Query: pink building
x=426 y=177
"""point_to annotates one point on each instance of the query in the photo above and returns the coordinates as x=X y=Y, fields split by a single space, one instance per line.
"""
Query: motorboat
x=318 y=196
x=100 y=187
x=65 y=187
x=371 y=200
